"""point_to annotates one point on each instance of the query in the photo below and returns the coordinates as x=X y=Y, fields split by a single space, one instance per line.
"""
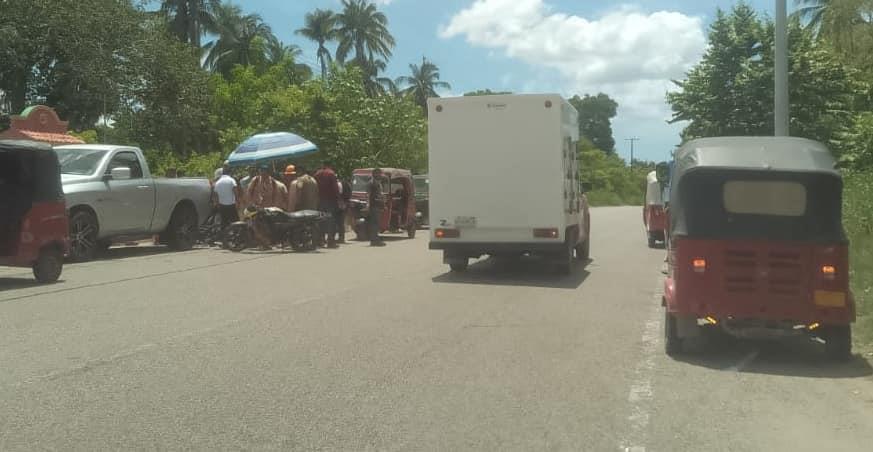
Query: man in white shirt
x=227 y=191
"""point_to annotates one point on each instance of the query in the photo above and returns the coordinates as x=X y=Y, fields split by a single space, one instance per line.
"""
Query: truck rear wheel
x=583 y=250
x=838 y=342
x=460 y=266
x=182 y=231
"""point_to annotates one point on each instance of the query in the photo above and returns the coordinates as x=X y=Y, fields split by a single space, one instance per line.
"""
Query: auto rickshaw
x=756 y=245
x=398 y=189
x=654 y=216
x=34 y=230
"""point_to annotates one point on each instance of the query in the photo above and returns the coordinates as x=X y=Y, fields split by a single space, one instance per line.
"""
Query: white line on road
x=738 y=367
x=640 y=394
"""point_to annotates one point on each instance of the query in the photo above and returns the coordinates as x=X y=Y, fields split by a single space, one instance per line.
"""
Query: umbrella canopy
x=270 y=146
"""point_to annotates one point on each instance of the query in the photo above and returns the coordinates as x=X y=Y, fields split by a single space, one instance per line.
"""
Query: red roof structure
x=39 y=123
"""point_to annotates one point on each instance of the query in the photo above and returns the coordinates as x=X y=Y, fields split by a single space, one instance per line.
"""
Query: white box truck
x=504 y=179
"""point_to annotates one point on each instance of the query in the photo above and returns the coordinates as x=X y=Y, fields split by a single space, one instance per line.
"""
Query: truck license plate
x=465 y=222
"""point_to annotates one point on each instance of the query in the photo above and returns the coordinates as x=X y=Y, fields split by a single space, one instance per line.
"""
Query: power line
x=632 y=141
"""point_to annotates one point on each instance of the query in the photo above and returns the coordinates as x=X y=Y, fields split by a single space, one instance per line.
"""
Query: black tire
x=583 y=250
x=83 y=236
x=838 y=342
x=672 y=341
x=48 y=266
x=236 y=238
x=652 y=241
x=182 y=230
x=459 y=267
x=565 y=260
x=410 y=230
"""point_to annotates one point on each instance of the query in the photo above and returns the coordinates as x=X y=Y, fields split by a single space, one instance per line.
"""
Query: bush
x=196 y=165
x=858 y=221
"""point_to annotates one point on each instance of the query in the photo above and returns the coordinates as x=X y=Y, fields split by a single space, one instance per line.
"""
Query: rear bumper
x=482 y=248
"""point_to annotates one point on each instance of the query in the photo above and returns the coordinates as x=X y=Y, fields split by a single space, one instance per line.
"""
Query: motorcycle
x=272 y=226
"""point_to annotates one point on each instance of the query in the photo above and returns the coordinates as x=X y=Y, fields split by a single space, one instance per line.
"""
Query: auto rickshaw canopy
x=766 y=188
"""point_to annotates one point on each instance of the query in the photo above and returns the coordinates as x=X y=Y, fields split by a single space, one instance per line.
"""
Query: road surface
x=382 y=349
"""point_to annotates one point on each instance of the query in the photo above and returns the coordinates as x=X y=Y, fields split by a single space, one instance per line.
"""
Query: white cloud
x=627 y=53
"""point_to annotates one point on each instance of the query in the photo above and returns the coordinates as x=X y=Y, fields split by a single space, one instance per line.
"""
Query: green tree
x=730 y=92
x=422 y=83
x=241 y=39
x=319 y=28
x=362 y=28
x=189 y=19
x=595 y=119
x=486 y=92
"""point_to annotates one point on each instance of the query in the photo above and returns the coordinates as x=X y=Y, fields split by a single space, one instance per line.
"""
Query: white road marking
x=738 y=367
x=640 y=394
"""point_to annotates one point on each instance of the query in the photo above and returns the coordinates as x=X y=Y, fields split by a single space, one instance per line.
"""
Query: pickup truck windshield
x=79 y=161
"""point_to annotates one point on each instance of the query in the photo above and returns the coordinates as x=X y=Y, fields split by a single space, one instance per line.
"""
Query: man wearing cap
x=376 y=202
x=265 y=191
x=290 y=183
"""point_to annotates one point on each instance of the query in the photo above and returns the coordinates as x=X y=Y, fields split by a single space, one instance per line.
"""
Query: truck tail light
x=828 y=272
x=546 y=233
x=699 y=265
x=447 y=233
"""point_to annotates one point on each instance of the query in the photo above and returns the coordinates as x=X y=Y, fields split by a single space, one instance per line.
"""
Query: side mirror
x=586 y=187
x=118 y=173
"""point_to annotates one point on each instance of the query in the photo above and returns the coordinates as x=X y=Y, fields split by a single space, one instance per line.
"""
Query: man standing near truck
x=376 y=202
x=227 y=191
x=328 y=201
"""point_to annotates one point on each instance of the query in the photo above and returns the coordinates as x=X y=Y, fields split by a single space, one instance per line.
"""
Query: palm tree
x=423 y=82
x=237 y=34
x=277 y=53
x=362 y=28
x=319 y=27
x=189 y=19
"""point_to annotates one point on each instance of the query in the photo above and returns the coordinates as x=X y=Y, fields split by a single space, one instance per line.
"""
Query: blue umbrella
x=270 y=146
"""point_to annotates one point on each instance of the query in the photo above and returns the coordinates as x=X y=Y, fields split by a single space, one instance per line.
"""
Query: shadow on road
x=796 y=357
x=527 y=271
x=23 y=282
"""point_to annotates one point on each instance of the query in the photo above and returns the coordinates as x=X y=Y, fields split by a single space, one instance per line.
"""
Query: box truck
x=504 y=179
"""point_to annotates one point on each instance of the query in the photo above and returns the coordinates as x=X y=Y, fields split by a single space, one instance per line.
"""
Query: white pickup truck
x=504 y=179
x=111 y=196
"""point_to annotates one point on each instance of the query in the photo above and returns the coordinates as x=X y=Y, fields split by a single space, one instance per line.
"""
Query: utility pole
x=632 y=141
x=781 y=109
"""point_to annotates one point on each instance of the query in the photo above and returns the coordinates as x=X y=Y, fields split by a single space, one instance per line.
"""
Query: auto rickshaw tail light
x=546 y=233
x=699 y=265
x=447 y=233
x=829 y=272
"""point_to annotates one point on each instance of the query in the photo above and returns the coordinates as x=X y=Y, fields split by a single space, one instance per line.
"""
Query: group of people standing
x=298 y=190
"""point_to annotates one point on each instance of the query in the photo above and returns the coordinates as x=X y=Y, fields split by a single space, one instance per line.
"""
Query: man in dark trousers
x=376 y=202
x=328 y=201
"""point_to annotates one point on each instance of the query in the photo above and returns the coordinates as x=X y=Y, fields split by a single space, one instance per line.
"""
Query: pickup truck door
x=128 y=204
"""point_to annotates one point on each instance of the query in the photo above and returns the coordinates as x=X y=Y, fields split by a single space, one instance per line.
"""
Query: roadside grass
x=858 y=221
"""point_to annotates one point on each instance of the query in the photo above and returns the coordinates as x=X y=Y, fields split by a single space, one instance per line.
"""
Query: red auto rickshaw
x=756 y=244
x=399 y=191
x=654 y=216
x=33 y=219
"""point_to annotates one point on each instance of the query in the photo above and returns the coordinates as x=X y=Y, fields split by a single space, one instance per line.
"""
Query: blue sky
x=630 y=50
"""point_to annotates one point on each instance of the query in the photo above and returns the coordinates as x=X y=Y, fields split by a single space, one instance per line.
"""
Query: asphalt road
x=382 y=349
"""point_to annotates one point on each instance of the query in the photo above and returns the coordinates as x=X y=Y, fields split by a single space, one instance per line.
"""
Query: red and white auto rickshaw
x=399 y=192
x=654 y=216
x=756 y=244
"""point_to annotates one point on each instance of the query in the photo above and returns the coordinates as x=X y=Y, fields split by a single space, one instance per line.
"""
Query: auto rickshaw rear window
x=779 y=198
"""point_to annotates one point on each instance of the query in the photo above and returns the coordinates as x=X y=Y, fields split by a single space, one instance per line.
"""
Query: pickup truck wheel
x=182 y=231
x=48 y=266
x=83 y=236
x=838 y=342
x=672 y=341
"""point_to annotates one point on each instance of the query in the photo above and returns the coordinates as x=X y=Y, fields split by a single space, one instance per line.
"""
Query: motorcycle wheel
x=236 y=238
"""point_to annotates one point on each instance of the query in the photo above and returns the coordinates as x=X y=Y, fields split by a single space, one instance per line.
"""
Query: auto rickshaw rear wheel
x=48 y=266
x=672 y=341
x=838 y=342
